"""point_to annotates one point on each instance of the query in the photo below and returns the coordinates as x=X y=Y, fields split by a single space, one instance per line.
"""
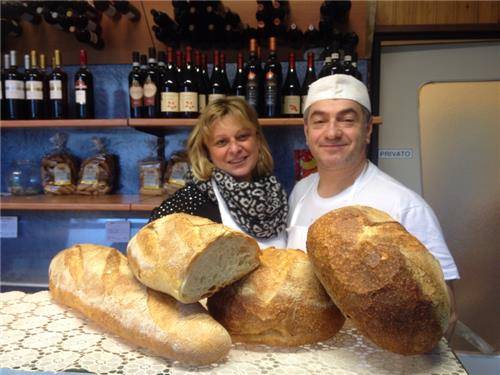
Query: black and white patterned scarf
x=259 y=207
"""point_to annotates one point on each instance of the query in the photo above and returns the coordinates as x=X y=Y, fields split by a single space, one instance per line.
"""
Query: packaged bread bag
x=59 y=168
x=151 y=171
x=97 y=173
x=176 y=172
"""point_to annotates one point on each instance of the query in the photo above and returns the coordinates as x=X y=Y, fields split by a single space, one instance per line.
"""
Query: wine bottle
x=356 y=73
x=5 y=68
x=84 y=23
x=295 y=36
x=58 y=95
x=309 y=78
x=83 y=8
x=188 y=94
x=217 y=89
x=128 y=10
x=312 y=37
x=169 y=107
x=204 y=77
x=88 y=37
x=253 y=77
x=203 y=88
x=150 y=86
x=238 y=88
x=108 y=9
x=136 y=93
x=163 y=20
x=84 y=89
x=336 y=67
x=272 y=82
x=291 y=90
x=28 y=12
x=327 y=65
x=35 y=105
x=14 y=91
x=225 y=80
x=10 y=27
x=46 y=88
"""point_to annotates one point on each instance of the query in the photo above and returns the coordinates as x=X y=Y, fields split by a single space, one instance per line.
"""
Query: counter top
x=39 y=335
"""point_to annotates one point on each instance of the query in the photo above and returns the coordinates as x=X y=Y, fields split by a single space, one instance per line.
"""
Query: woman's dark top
x=189 y=200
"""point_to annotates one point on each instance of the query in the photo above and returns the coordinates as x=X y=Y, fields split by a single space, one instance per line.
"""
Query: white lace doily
x=37 y=334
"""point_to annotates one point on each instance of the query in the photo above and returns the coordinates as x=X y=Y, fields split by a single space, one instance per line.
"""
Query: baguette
x=190 y=257
x=381 y=277
x=96 y=281
x=281 y=303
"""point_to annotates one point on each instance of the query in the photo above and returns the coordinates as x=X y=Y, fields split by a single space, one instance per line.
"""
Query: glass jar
x=24 y=178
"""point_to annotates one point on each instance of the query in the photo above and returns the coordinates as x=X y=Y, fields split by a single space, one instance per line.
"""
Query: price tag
x=8 y=227
x=117 y=231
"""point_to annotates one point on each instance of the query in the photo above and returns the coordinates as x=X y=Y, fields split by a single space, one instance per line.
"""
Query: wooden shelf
x=173 y=123
x=144 y=124
x=147 y=203
x=66 y=123
x=79 y=203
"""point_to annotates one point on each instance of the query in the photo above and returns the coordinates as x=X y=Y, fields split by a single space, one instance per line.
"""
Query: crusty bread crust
x=381 y=277
x=281 y=303
x=190 y=257
x=96 y=281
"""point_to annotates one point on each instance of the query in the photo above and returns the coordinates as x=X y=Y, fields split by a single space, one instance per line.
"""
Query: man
x=337 y=126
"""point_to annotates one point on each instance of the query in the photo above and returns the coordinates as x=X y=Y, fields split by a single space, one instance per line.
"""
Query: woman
x=232 y=181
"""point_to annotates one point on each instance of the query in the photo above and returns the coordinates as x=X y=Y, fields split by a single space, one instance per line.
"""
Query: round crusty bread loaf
x=190 y=257
x=97 y=281
x=281 y=303
x=381 y=277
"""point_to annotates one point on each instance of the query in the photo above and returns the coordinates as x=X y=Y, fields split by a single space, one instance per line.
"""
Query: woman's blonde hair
x=196 y=146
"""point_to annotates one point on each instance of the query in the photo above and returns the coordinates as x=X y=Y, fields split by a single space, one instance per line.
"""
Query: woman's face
x=233 y=148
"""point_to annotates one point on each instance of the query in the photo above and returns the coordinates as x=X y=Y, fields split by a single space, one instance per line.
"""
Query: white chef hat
x=338 y=86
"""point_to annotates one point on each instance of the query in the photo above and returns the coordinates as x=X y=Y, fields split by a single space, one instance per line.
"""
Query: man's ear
x=369 y=129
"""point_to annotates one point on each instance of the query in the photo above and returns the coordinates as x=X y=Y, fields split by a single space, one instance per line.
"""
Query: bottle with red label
x=84 y=89
x=291 y=90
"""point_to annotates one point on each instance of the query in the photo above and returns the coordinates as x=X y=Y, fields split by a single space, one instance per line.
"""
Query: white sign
x=8 y=227
x=395 y=153
x=117 y=231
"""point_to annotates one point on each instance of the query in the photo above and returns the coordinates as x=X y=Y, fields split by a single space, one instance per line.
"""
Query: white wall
x=404 y=69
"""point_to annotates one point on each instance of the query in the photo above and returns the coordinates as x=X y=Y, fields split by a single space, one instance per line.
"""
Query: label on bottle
x=170 y=102
x=34 y=90
x=291 y=105
x=62 y=174
x=212 y=97
x=90 y=173
x=55 y=89
x=304 y=98
x=271 y=89
x=151 y=178
x=202 y=101
x=136 y=94
x=81 y=97
x=252 y=90
x=14 y=89
x=149 y=92
x=188 y=101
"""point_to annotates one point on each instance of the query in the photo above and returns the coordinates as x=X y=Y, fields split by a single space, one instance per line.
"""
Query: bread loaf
x=97 y=281
x=281 y=303
x=381 y=277
x=190 y=257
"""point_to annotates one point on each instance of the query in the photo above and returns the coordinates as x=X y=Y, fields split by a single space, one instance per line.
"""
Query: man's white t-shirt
x=376 y=189
x=278 y=241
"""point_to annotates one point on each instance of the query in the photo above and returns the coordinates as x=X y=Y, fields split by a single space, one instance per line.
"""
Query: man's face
x=336 y=133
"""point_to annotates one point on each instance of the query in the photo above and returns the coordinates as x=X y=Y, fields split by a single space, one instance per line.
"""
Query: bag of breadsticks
x=59 y=168
x=98 y=173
